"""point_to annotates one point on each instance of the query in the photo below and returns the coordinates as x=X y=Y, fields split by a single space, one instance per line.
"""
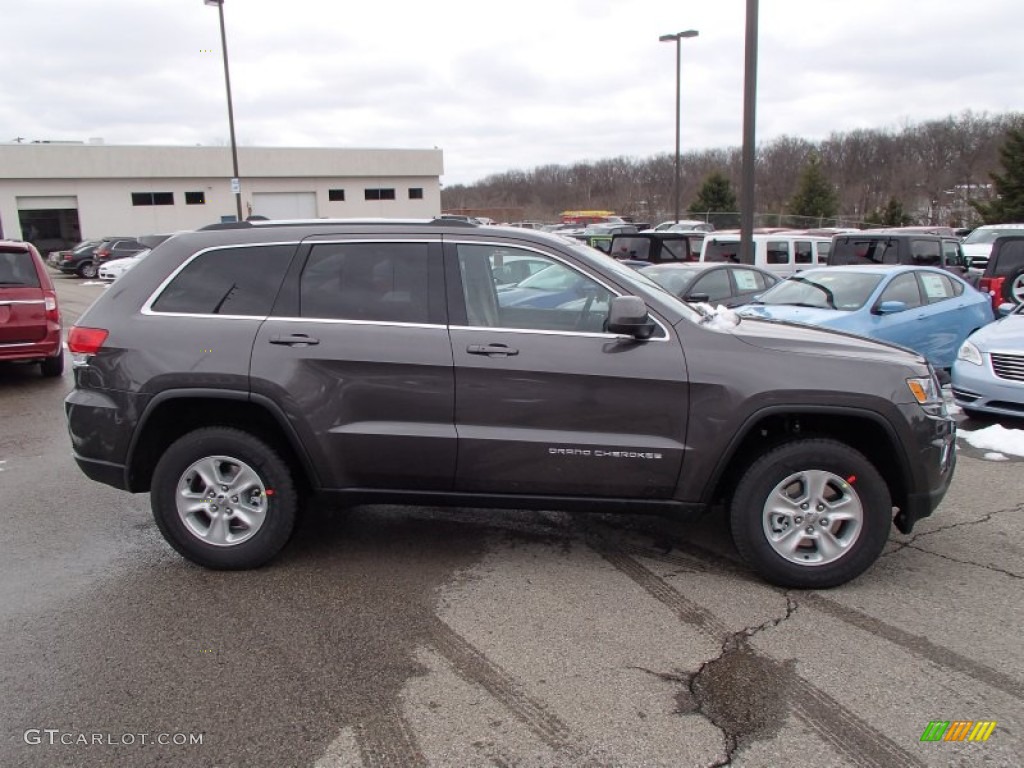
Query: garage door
x=285 y=205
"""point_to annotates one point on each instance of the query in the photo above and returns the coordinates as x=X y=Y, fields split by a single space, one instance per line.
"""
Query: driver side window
x=554 y=297
x=903 y=288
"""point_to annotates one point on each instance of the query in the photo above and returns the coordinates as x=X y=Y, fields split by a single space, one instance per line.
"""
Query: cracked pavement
x=397 y=636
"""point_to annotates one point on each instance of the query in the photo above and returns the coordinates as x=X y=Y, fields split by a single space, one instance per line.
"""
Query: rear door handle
x=492 y=350
x=294 y=340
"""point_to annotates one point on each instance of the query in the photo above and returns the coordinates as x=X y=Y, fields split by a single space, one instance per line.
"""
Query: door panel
x=365 y=365
x=543 y=409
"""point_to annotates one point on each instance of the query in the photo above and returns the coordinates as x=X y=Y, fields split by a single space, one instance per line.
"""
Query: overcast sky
x=497 y=86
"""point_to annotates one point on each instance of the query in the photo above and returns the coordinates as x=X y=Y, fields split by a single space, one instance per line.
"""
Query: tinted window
x=675 y=250
x=903 y=288
x=336 y=195
x=925 y=253
x=637 y=248
x=673 y=280
x=1010 y=258
x=824 y=249
x=415 y=193
x=777 y=252
x=228 y=281
x=379 y=194
x=803 y=252
x=386 y=282
x=723 y=250
x=951 y=254
x=849 y=250
x=557 y=298
x=195 y=198
x=17 y=269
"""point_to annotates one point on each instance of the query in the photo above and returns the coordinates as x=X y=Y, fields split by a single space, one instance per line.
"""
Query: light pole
x=235 y=181
x=749 y=146
x=677 y=37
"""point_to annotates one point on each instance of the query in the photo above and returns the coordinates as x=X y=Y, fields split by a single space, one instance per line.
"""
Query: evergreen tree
x=815 y=197
x=1008 y=206
x=892 y=215
x=716 y=197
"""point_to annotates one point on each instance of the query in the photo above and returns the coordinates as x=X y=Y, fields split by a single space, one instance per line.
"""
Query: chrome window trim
x=571 y=265
x=342 y=321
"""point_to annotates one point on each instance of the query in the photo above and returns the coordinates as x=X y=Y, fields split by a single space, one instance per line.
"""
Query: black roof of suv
x=255 y=366
x=898 y=246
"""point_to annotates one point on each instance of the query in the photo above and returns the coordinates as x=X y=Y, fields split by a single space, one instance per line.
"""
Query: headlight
x=969 y=354
x=927 y=393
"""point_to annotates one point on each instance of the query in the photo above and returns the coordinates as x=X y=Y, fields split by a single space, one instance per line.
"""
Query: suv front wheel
x=224 y=499
x=88 y=270
x=811 y=514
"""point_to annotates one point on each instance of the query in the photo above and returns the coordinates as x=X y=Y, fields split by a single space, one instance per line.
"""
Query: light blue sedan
x=988 y=375
x=926 y=309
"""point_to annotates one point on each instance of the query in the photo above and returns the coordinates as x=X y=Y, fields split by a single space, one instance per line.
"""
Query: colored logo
x=958 y=730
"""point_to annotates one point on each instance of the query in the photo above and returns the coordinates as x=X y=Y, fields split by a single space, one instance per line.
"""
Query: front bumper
x=976 y=388
x=933 y=466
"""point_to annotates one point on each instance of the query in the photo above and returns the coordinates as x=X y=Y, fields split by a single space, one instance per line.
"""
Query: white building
x=55 y=194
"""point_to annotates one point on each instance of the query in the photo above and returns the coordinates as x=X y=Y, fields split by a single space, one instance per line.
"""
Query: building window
x=379 y=194
x=336 y=195
x=415 y=193
x=152 y=198
x=195 y=198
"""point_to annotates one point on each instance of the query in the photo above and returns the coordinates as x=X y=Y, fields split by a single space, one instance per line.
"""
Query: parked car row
x=88 y=257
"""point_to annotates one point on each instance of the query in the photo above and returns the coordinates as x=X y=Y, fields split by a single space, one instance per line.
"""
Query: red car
x=30 y=323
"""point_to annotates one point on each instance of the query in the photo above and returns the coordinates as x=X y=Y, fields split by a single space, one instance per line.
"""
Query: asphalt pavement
x=415 y=636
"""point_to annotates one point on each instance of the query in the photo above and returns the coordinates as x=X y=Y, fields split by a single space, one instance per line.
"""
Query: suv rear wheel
x=224 y=499
x=811 y=514
x=1013 y=287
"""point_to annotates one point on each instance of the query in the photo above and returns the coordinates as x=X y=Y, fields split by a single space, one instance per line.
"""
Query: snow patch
x=719 y=318
x=991 y=456
x=996 y=438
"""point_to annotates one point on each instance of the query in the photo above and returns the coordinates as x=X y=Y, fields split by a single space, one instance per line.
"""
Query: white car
x=977 y=246
x=112 y=270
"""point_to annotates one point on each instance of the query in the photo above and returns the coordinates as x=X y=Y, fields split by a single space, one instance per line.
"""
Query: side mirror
x=891 y=307
x=628 y=315
x=1005 y=309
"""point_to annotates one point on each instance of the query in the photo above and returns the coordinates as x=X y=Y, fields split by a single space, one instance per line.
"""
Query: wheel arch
x=173 y=413
x=866 y=431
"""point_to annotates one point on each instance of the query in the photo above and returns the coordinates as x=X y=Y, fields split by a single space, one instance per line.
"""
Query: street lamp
x=235 y=181
x=668 y=39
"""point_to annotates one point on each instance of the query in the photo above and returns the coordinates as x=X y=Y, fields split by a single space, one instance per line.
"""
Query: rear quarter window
x=228 y=281
x=1009 y=259
x=728 y=250
x=864 y=251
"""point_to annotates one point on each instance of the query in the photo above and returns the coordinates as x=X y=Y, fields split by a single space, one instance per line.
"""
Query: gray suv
x=248 y=368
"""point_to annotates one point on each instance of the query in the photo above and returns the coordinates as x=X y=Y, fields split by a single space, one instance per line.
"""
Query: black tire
x=1014 y=282
x=52 y=367
x=827 y=458
x=88 y=270
x=279 y=502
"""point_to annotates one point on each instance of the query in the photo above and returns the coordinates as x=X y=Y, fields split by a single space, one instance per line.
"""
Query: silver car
x=988 y=374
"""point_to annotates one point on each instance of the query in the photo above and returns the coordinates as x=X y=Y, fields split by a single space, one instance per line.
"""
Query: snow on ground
x=996 y=438
x=995 y=457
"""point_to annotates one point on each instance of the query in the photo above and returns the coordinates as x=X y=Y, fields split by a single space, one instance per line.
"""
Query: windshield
x=832 y=289
x=988 y=235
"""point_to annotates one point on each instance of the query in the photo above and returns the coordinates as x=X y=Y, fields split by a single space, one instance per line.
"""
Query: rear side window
x=864 y=251
x=17 y=270
x=383 y=282
x=228 y=281
x=824 y=249
x=925 y=253
x=637 y=248
x=1010 y=258
x=675 y=250
x=777 y=252
x=803 y=252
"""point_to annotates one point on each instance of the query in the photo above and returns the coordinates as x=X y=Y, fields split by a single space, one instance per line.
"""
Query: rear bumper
x=34 y=352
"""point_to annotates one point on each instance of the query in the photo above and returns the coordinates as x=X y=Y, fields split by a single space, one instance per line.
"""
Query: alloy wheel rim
x=812 y=517
x=221 y=501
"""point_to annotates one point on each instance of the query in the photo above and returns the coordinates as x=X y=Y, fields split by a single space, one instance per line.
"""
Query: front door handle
x=492 y=350
x=294 y=340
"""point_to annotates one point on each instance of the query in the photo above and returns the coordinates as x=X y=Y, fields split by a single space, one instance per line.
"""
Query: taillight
x=67 y=256
x=50 y=302
x=993 y=286
x=86 y=341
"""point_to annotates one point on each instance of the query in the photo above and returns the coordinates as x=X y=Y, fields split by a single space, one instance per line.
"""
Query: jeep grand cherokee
x=254 y=365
